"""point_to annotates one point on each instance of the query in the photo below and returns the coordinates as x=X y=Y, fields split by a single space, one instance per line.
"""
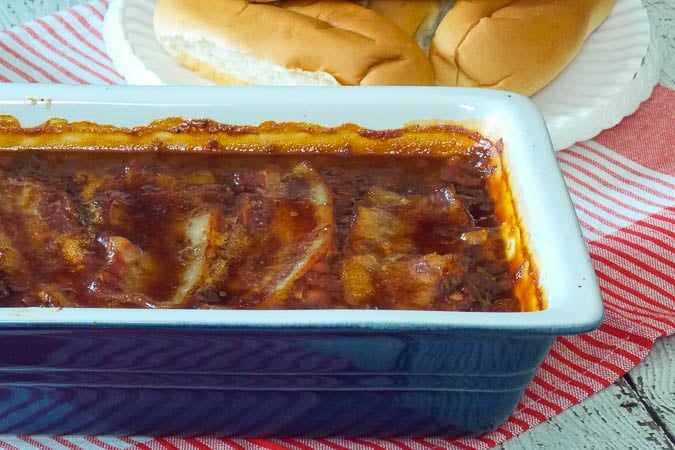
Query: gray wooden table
x=636 y=412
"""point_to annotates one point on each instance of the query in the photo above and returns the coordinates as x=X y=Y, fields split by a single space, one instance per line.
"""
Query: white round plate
x=613 y=73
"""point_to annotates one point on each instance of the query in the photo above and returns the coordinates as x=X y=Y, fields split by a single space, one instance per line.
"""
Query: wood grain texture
x=13 y=13
x=662 y=19
x=654 y=382
x=637 y=412
x=612 y=419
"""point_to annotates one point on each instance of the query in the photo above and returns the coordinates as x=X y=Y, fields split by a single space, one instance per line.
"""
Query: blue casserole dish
x=310 y=372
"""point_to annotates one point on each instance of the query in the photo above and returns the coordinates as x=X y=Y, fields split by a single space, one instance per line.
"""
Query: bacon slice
x=278 y=232
x=206 y=256
x=43 y=223
x=199 y=232
x=133 y=274
x=399 y=249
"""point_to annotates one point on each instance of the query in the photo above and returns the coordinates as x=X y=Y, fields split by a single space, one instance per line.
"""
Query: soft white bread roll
x=516 y=45
x=289 y=43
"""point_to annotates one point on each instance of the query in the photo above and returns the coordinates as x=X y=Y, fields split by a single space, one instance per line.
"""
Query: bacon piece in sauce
x=44 y=225
x=280 y=231
x=399 y=246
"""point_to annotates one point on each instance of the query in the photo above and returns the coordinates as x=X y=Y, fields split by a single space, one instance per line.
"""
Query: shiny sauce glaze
x=157 y=229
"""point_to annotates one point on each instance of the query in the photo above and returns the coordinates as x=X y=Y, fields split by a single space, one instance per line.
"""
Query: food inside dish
x=195 y=214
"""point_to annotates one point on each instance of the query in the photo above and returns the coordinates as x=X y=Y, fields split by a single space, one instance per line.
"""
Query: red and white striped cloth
x=623 y=186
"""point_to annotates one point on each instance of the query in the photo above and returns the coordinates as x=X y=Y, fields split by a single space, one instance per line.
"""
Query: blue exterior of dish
x=254 y=382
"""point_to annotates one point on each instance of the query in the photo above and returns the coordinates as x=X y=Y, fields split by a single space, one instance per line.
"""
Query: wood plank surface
x=638 y=411
x=654 y=382
x=662 y=18
x=13 y=13
x=613 y=419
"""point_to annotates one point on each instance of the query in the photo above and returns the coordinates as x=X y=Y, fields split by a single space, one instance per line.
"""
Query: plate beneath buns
x=614 y=72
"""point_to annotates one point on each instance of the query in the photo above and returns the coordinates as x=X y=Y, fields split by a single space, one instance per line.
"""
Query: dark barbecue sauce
x=158 y=230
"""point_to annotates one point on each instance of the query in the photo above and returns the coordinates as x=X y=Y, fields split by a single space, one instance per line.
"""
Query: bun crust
x=516 y=45
x=308 y=42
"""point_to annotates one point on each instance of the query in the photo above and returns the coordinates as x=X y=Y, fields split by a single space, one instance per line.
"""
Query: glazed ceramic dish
x=307 y=372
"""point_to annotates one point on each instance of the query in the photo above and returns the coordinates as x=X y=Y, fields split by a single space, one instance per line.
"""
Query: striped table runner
x=623 y=187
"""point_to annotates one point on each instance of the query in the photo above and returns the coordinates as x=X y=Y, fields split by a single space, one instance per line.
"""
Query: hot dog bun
x=516 y=45
x=292 y=42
